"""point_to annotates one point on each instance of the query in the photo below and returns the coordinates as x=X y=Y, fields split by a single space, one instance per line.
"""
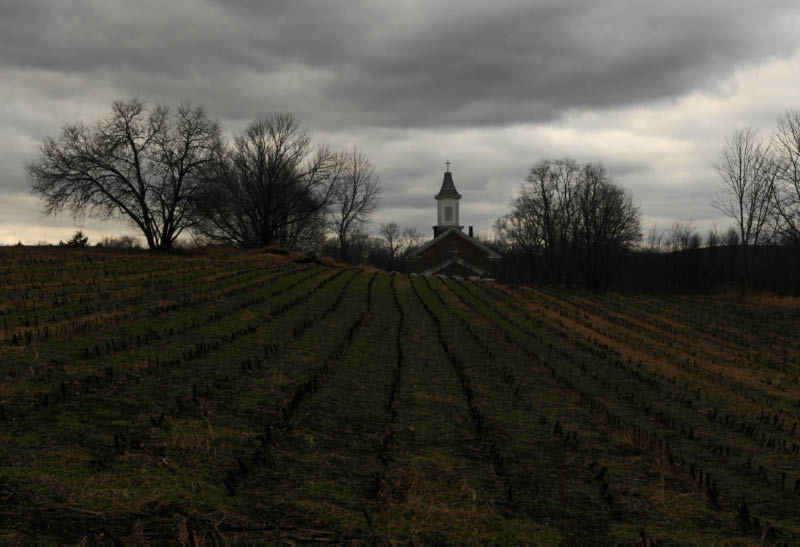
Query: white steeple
x=447 y=205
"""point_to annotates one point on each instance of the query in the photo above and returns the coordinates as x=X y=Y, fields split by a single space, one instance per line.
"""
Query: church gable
x=457 y=241
x=456 y=266
x=453 y=250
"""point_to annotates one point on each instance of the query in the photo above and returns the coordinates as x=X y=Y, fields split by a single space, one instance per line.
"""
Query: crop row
x=75 y=386
x=613 y=409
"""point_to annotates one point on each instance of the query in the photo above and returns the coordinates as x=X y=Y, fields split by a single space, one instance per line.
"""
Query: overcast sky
x=651 y=89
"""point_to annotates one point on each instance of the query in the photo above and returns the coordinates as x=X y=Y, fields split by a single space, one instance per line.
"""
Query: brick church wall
x=442 y=250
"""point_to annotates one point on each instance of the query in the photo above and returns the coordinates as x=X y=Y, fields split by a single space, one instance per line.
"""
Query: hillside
x=246 y=399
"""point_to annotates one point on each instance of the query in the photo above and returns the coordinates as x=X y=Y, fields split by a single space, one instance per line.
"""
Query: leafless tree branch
x=143 y=164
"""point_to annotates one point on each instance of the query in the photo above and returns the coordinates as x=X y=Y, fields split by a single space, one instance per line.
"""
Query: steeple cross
x=447 y=163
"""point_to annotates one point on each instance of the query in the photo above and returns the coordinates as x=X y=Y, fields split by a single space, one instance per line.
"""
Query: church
x=451 y=251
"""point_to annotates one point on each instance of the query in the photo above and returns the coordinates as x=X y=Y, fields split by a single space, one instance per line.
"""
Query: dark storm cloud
x=401 y=63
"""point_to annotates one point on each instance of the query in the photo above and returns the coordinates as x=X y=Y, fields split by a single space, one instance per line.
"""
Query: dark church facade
x=451 y=251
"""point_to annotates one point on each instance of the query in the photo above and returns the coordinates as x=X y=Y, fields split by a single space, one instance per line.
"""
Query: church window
x=448 y=213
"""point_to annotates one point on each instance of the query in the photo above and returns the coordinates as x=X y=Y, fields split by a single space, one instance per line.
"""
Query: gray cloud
x=400 y=63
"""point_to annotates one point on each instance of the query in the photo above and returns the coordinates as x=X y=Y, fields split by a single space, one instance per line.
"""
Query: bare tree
x=520 y=233
x=139 y=163
x=606 y=223
x=786 y=144
x=391 y=236
x=272 y=187
x=545 y=210
x=682 y=236
x=731 y=237
x=355 y=197
x=654 y=242
x=569 y=215
x=713 y=238
x=412 y=240
x=748 y=176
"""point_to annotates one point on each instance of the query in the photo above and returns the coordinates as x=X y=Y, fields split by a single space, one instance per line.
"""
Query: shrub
x=78 y=240
x=120 y=242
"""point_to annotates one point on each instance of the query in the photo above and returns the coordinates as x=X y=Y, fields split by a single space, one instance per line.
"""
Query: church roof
x=455 y=232
x=448 y=189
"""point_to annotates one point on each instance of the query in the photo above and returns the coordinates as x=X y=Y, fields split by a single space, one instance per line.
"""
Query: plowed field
x=249 y=399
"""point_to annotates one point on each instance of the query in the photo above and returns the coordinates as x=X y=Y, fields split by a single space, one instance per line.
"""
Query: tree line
x=170 y=172
x=760 y=188
x=570 y=223
x=759 y=191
